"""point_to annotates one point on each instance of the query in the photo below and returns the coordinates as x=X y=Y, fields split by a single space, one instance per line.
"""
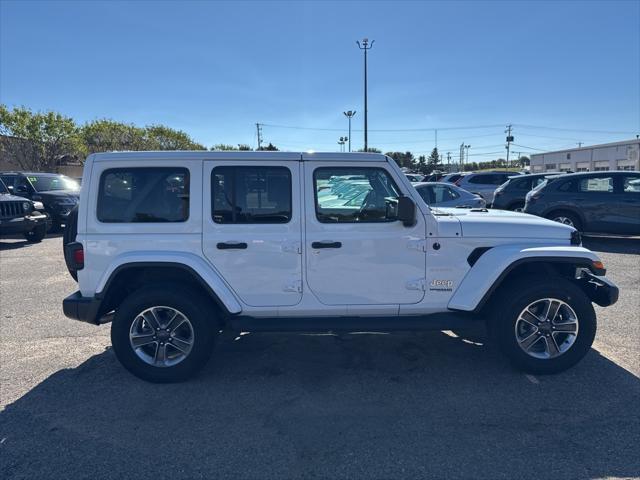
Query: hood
x=5 y=197
x=58 y=194
x=478 y=222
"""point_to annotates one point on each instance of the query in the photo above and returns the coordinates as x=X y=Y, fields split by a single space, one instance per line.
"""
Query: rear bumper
x=600 y=289
x=83 y=309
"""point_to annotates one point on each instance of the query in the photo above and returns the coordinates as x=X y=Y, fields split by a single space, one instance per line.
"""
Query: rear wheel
x=544 y=324
x=566 y=218
x=37 y=234
x=517 y=207
x=164 y=333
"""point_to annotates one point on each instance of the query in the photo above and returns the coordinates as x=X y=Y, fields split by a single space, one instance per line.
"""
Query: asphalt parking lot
x=315 y=406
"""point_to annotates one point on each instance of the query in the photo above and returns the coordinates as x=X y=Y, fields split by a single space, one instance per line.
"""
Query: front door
x=252 y=229
x=357 y=252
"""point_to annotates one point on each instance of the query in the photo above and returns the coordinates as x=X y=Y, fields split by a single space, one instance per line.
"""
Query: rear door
x=252 y=229
x=629 y=203
x=597 y=200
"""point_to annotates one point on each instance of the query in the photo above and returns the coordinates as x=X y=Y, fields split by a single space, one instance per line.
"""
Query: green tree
x=159 y=137
x=269 y=148
x=371 y=150
x=403 y=159
x=108 y=135
x=224 y=147
x=421 y=164
x=433 y=162
x=37 y=141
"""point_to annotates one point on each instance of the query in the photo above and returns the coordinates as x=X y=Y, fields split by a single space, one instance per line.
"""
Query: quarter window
x=631 y=184
x=347 y=195
x=144 y=195
x=251 y=195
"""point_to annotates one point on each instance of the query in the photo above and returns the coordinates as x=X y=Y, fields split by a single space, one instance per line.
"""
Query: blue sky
x=214 y=69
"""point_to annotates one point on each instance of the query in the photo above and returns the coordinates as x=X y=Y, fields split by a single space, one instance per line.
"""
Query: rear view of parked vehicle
x=596 y=202
x=484 y=183
x=511 y=194
x=439 y=194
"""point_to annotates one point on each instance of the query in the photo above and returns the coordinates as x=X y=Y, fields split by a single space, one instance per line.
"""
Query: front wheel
x=164 y=333
x=37 y=234
x=544 y=324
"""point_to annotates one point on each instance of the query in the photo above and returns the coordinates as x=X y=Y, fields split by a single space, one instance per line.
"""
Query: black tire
x=37 y=234
x=516 y=207
x=200 y=313
x=573 y=219
x=513 y=299
x=69 y=235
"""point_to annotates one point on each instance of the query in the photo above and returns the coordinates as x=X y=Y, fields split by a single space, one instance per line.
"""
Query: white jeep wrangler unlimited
x=175 y=247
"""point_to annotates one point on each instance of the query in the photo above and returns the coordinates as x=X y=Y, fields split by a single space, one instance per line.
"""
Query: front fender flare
x=196 y=265
x=494 y=265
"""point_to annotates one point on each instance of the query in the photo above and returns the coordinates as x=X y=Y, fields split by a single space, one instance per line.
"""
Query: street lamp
x=467 y=147
x=349 y=114
x=365 y=46
x=341 y=142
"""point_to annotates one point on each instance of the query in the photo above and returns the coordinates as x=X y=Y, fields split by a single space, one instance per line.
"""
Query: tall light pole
x=349 y=114
x=509 y=140
x=365 y=46
x=341 y=142
x=467 y=147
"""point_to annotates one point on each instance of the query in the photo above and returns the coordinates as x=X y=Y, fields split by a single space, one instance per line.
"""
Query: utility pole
x=467 y=147
x=579 y=144
x=448 y=162
x=461 y=157
x=365 y=46
x=349 y=114
x=509 y=140
x=436 y=136
x=259 y=130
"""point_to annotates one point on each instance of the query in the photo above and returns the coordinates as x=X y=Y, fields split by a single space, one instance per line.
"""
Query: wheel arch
x=569 y=209
x=130 y=276
x=499 y=265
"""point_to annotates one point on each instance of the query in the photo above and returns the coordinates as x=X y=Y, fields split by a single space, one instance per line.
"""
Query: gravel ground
x=315 y=406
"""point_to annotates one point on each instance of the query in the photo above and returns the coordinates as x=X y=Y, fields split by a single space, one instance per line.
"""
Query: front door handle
x=326 y=244
x=231 y=245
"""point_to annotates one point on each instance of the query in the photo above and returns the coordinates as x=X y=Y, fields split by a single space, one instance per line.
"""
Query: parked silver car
x=484 y=183
x=441 y=194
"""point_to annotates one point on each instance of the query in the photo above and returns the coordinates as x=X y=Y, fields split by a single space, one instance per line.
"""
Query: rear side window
x=631 y=184
x=251 y=195
x=524 y=184
x=144 y=195
x=488 y=179
x=454 y=178
x=596 y=184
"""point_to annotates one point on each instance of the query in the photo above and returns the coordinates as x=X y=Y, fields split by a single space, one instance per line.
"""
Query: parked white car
x=174 y=247
x=441 y=194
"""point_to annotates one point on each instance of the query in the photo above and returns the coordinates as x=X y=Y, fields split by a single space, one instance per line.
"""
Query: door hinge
x=420 y=245
x=292 y=247
x=418 y=284
x=293 y=287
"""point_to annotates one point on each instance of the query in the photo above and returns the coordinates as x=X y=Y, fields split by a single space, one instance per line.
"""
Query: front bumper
x=22 y=224
x=600 y=289
x=83 y=309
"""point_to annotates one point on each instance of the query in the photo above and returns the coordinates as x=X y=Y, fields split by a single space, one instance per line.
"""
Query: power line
x=294 y=127
x=609 y=132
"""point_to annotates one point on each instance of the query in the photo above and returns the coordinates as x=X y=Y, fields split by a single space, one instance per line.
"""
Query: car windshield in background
x=46 y=183
x=3 y=187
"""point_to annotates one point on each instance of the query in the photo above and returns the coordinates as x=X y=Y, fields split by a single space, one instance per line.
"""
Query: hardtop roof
x=238 y=155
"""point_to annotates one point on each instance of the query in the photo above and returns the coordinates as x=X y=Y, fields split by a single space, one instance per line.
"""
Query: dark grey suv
x=511 y=194
x=598 y=202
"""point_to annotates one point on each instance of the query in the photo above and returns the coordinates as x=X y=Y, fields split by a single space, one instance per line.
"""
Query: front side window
x=596 y=184
x=144 y=195
x=359 y=194
x=49 y=183
x=251 y=194
x=444 y=194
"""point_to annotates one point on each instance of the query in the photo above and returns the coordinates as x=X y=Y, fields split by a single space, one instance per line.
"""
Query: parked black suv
x=58 y=193
x=598 y=202
x=511 y=194
x=19 y=216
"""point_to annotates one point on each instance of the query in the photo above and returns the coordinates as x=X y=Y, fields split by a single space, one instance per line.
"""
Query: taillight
x=74 y=256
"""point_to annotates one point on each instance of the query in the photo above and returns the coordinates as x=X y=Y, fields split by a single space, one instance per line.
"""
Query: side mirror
x=406 y=211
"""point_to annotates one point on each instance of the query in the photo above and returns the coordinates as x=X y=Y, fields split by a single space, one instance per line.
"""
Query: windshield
x=46 y=183
x=3 y=187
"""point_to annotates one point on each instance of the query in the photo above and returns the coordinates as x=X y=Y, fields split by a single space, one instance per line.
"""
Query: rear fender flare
x=202 y=271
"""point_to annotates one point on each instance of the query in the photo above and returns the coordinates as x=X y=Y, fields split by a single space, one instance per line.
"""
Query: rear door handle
x=326 y=244
x=231 y=245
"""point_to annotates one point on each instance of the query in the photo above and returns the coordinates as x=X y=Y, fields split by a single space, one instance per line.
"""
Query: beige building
x=608 y=156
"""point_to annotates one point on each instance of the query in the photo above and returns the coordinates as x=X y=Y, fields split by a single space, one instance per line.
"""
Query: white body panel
x=381 y=269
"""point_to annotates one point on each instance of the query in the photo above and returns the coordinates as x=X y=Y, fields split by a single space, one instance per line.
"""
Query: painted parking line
x=532 y=379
